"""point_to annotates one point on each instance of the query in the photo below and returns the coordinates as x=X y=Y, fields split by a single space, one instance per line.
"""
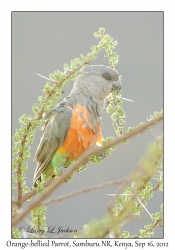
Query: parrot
x=75 y=123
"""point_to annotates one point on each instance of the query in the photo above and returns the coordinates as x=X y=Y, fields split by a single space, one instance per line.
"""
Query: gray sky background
x=41 y=43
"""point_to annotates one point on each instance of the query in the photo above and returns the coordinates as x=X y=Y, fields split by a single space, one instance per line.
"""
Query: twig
x=82 y=159
x=156 y=224
x=33 y=191
x=81 y=191
x=156 y=187
x=18 y=172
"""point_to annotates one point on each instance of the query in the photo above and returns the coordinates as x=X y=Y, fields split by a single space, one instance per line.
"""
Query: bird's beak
x=117 y=85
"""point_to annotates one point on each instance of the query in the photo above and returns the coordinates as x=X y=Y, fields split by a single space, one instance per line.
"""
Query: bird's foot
x=62 y=170
x=102 y=154
x=59 y=170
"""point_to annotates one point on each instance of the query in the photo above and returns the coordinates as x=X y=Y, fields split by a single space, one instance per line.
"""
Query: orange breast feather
x=80 y=135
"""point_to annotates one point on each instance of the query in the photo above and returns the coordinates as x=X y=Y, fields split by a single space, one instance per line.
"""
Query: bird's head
x=98 y=81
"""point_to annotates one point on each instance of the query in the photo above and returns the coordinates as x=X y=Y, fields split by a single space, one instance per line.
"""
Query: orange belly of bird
x=80 y=136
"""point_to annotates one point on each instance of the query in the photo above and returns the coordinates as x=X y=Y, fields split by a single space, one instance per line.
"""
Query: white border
x=5 y=92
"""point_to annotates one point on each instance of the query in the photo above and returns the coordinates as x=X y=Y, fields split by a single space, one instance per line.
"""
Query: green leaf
x=23 y=119
x=125 y=234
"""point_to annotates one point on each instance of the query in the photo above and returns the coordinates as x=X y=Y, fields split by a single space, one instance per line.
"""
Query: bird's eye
x=107 y=76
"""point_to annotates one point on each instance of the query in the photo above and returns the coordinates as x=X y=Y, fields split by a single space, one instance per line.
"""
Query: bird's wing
x=53 y=137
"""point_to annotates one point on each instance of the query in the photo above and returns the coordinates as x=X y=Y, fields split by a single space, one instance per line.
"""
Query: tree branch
x=81 y=191
x=18 y=172
x=82 y=159
x=155 y=225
